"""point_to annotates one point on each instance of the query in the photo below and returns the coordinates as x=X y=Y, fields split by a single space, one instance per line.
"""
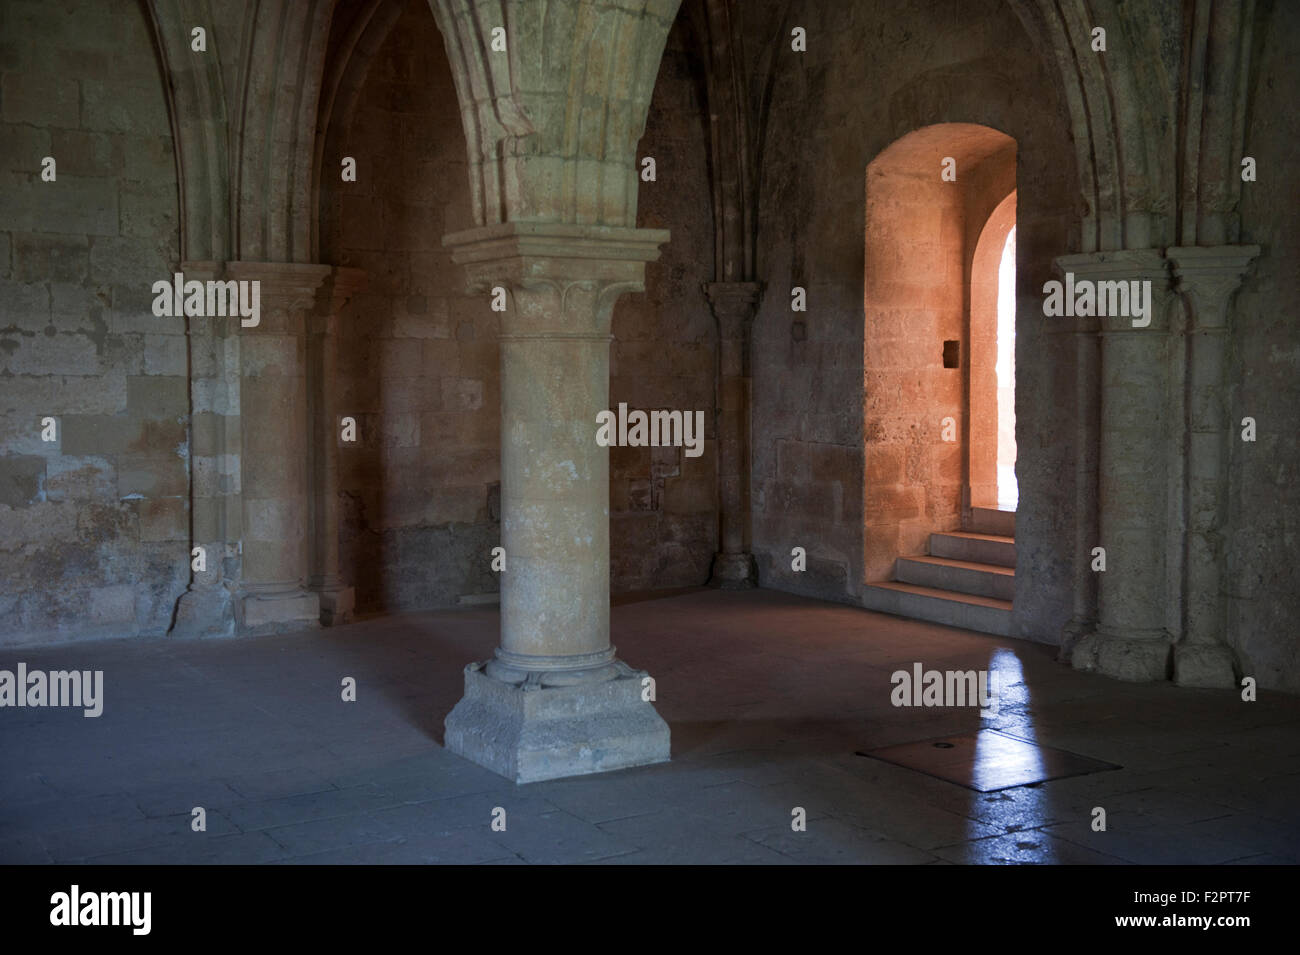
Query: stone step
x=991 y=520
x=961 y=576
x=977 y=548
x=985 y=614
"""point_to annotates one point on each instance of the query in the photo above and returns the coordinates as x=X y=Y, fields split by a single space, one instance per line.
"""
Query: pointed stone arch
x=276 y=147
x=1122 y=184
x=552 y=122
x=196 y=102
x=353 y=44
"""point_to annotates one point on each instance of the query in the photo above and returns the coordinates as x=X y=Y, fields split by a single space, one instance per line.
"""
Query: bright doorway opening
x=1005 y=372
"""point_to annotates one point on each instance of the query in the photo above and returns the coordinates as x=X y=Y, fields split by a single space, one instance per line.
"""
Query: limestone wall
x=862 y=85
x=419 y=360
x=94 y=526
x=1264 y=367
x=663 y=504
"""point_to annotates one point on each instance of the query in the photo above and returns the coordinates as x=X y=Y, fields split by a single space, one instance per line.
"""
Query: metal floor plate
x=988 y=760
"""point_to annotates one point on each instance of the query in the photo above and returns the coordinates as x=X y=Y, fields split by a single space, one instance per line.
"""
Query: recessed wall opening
x=1005 y=372
x=991 y=454
x=939 y=372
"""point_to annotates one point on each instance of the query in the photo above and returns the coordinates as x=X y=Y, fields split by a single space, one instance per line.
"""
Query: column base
x=1136 y=658
x=204 y=612
x=1204 y=665
x=337 y=605
x=529 y=731
x=734 y=572
x=1072 y=634
x=277 y=613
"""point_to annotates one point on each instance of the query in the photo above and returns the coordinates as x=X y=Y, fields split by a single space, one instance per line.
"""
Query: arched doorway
x=991 y=436
x=940 y=206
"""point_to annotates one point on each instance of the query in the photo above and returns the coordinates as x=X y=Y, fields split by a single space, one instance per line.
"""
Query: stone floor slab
x=767 y=696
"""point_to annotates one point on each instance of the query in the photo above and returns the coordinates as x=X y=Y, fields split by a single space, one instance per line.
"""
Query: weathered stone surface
x=767 y=174
x=39 y=99
x=1124 y=657
x=1204 y=664
x=77 y=330
x=277 y=613
x=529 y=733
x=21 y=477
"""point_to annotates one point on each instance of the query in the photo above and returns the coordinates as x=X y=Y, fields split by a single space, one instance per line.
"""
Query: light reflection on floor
x=1010 y=708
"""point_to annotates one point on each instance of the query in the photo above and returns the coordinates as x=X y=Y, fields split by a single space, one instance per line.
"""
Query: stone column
x=1087 y=357
x=337 y=601
x=206 y=608
x=274 y=480
x=734 y=305
x=554 y=701
x=1207 y=277
x=1131 y=641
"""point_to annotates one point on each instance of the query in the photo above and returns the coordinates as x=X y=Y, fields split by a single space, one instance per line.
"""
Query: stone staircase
x=968 y=580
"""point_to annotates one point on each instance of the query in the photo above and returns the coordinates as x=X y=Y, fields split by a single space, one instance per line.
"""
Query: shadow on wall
x=418 y=357
x=418 y=363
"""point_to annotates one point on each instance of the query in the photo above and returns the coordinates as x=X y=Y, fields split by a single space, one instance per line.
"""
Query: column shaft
x=554 y=501
x=1132 y=485
x=1207 y=277
x=1130 y=641
x=337 y=600
x=1083 y=619
x=554 y=701
x=206 y=608
x=276 y=429
x=734 y=305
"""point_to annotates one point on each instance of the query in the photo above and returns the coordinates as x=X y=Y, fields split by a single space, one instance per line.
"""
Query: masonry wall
x=419 y=361
x=913 y=295
x=663 y=504
x=93 y=526
x=418 y=357
x=1263 y=549
x=927 y=63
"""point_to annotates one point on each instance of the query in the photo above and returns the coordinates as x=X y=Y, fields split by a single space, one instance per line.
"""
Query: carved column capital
x=734 y=305
x=287 y=286
x=734 y=296
x=1121 y=265
x=562 y=280
x=1208 y=276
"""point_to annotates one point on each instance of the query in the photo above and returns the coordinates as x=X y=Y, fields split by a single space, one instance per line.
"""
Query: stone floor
x=768 y=696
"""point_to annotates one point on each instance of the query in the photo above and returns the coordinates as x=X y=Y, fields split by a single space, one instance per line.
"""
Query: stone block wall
x=663 y=504
x=913 y=303
x=94 y=526
x=1263 y=551
x=418 y=356
x=946 y=62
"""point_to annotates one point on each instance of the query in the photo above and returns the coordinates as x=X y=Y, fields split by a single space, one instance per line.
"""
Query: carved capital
x=285 y=286
x=1208 y=275
x=1121 y=265
x=734 y=305
x=561 y=280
